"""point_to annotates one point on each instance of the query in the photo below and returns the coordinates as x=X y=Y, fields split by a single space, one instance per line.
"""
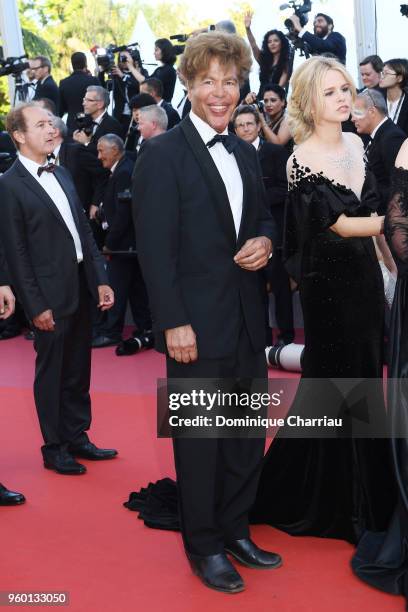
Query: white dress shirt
x=227 y=167
x=54 y=190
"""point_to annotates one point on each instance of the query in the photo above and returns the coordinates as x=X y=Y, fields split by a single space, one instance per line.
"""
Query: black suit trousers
x=217 y=478
x=62 y=374
x=126 y=280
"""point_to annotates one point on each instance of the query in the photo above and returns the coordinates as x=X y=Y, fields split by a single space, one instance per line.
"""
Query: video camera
x=404 y=10
x=105 y=56
x=13 y=66
x=301 y=10
x=181 y=38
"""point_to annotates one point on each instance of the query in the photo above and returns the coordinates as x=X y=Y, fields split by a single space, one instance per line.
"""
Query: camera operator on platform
x=323 y=39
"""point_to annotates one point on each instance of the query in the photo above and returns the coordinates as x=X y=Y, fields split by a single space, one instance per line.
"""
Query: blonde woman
x=330 y=487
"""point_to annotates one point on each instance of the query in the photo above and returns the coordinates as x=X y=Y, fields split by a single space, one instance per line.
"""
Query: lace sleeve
x=396 y=220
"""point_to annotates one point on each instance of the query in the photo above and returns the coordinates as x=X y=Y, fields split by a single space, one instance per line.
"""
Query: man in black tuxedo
x=385 y=139
x=370 y=73
x=154 y=87
x=7 y=304
x=123 y=269
x=202 y=232
x=89 y=176
x=323 y=40
x=54 y=267
x=73 y=88
x=273 y=158
x=46 y=86
x=95 y=103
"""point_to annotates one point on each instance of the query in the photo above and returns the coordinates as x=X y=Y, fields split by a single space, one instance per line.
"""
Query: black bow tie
x=228 y=140
x=48 y=168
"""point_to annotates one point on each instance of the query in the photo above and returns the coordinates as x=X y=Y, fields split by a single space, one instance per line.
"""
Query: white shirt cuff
x=302 y=31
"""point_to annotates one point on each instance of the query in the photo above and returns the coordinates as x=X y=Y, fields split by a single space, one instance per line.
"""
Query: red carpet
x=74 y=535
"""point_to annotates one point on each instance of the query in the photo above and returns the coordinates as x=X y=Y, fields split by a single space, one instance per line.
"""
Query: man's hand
x=106 y=297
x=45 y=321
x=116 y=71
x=181 y=344
x=296 y=22
x=254 y=254
x=250 y=98
x=7 y=302
x=92 y=211
x=80 y=136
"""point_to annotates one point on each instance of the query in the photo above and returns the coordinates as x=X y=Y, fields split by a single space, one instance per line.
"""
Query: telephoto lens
x=288 y=357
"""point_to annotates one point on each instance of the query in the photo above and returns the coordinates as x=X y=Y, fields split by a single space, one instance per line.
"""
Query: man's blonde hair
x=228 y=49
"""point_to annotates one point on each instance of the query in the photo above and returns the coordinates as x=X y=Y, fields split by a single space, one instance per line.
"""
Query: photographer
x=272 y=115
x=324 y=40
x=72 y=89
x=125 y=86
x=273 y=57
x=115 y=215
x=166 y=73
x=95 y=103
x=46 y=86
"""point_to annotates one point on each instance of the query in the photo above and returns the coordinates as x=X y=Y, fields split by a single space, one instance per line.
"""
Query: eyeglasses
x=386 y=73
x=89 y=100
x=38 y=67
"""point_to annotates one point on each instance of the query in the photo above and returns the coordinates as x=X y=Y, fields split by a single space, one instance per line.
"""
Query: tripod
x=20 y=95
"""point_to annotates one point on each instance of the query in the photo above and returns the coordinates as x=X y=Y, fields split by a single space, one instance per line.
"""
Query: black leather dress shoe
x=88 y=450
x=10 y=498
x=102 y=341
x=217 y=572
x=248 y=553
x=62 y=462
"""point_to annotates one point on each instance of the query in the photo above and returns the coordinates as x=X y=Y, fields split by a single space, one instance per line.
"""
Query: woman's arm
x=251 y=39
x=283 y=81
x=281 y=138
x=358 y=227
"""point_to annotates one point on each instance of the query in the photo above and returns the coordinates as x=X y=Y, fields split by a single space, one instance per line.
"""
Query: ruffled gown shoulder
x=334 y=488
x=381 y=559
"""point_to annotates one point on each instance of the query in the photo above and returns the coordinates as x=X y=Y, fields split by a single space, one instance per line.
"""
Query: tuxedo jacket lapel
x=212 y=177
x=67 y=189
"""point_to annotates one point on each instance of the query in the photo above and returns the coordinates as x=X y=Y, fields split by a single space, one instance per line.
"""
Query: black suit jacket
x=4 y=279
x=87 y=172
x=172 y=114
x=334 y=43
x=48 y=89
x=381 y=156
x=186 y=241
x=273 y=159
x=39 y=249
x=403 y=116
x=121 y=233
x=108 y=125
x=72 y=90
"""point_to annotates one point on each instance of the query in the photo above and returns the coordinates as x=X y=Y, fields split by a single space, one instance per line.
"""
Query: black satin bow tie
x=228 y=140
x=48 y=168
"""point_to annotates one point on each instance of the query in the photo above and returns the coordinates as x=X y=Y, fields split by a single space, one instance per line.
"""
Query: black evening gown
x=381 y=559
x=334 y=487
